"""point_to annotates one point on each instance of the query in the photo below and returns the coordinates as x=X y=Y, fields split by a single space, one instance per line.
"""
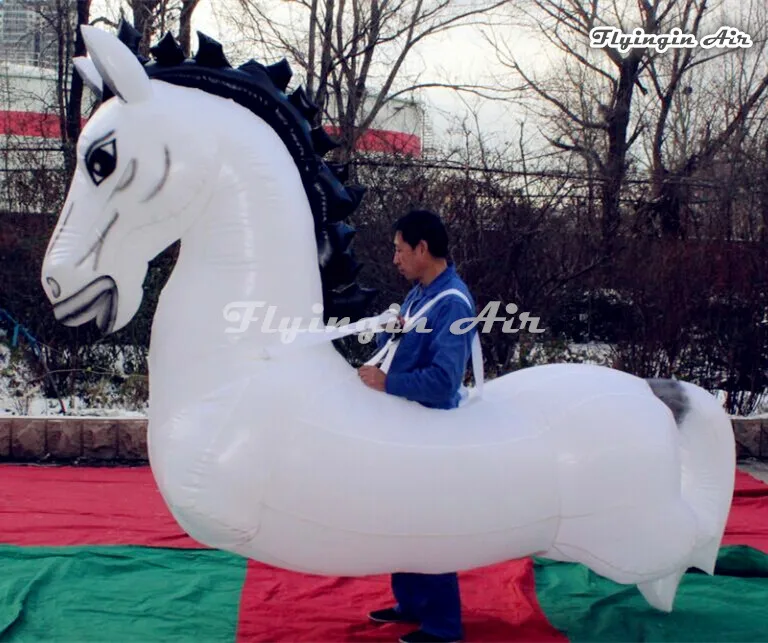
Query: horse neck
x=254 y=242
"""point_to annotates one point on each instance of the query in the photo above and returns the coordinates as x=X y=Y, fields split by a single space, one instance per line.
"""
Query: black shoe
x=420 y=636
x=389 y=615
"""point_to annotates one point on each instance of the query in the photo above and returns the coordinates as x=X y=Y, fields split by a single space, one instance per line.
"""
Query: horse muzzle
x=97 y=301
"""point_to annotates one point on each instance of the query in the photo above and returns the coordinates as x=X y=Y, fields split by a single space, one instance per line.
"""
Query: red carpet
x=499 y=604
x=748 y=520
x=85 y=506
x=81 y=506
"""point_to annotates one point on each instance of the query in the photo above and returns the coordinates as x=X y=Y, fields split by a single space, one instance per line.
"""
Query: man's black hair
x=424 y=225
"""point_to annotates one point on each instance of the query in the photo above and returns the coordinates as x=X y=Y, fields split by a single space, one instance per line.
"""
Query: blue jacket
x=429 y=367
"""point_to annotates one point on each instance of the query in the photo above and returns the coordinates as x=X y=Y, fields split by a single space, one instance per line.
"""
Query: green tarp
x=126 y=594
x=142 y=594
x=730 y=606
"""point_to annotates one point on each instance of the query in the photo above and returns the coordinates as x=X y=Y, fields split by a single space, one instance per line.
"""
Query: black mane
x=262 y=90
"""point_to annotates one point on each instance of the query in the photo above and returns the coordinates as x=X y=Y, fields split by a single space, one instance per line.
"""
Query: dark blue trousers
x=432 y=600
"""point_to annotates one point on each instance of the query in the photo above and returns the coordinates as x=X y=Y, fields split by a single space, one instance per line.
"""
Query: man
x=427 y=368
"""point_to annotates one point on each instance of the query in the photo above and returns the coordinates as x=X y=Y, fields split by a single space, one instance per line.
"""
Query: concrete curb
x=98 y=440
x=751 y=437
x=90 y=440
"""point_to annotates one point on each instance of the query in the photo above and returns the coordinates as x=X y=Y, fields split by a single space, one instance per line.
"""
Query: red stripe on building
x=30 y=124
x=386 y=141
x=39 y=125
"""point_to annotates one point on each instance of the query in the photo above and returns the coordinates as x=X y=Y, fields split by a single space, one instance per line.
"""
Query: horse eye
x=102 y=161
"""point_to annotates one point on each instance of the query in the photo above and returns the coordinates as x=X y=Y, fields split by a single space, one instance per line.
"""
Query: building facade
x=400 y=127
x=26 y=34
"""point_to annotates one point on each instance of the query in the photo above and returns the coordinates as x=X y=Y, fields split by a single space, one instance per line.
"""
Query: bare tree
x=352 y=52
x=153 y=18
x=145 y=19
x=75 y=105
x=186 y=10
x=589 y=97
x=600 y=102
x=704 y=107
x=53 y=39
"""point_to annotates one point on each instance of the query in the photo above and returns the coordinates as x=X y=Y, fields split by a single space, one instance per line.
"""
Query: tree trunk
x=615 y=165
x=764 y=193
x=144 y=22
x=75 y=104
x=185 y=24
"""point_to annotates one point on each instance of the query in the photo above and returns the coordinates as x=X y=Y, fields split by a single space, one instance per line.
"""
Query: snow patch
x=22 y=393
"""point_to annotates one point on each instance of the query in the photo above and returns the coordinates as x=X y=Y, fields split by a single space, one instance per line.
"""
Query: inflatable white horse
x=291 y=460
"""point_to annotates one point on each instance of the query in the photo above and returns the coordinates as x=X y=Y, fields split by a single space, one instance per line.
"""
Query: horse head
x=142 y=173
x=148 y=163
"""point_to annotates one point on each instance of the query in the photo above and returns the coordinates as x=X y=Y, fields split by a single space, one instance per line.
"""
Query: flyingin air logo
x=613 y=38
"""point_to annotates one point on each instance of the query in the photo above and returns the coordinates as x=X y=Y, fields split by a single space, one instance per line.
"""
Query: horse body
x=291 y=460
x=341 y=493
x=364 y=469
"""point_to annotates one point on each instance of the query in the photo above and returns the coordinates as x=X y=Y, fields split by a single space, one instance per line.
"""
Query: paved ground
x=757 y=468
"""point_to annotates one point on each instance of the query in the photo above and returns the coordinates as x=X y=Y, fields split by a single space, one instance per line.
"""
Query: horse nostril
x=54 y=285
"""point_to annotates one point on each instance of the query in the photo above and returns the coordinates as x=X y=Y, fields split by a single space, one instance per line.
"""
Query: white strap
x=478 y=369
x=423 y=310
x=305 y=339
x=385 y=356
x=381 y=356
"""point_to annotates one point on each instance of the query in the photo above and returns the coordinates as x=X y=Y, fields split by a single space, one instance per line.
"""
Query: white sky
x=460 y=55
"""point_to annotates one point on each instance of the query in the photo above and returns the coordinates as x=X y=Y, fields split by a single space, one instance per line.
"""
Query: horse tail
x=708 y=459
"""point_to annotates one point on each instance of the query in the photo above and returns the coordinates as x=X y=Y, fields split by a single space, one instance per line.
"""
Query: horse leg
x=649 y=546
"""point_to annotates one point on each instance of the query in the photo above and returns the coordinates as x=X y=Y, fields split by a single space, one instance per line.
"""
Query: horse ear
x=90 y=75
x=117 y=66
